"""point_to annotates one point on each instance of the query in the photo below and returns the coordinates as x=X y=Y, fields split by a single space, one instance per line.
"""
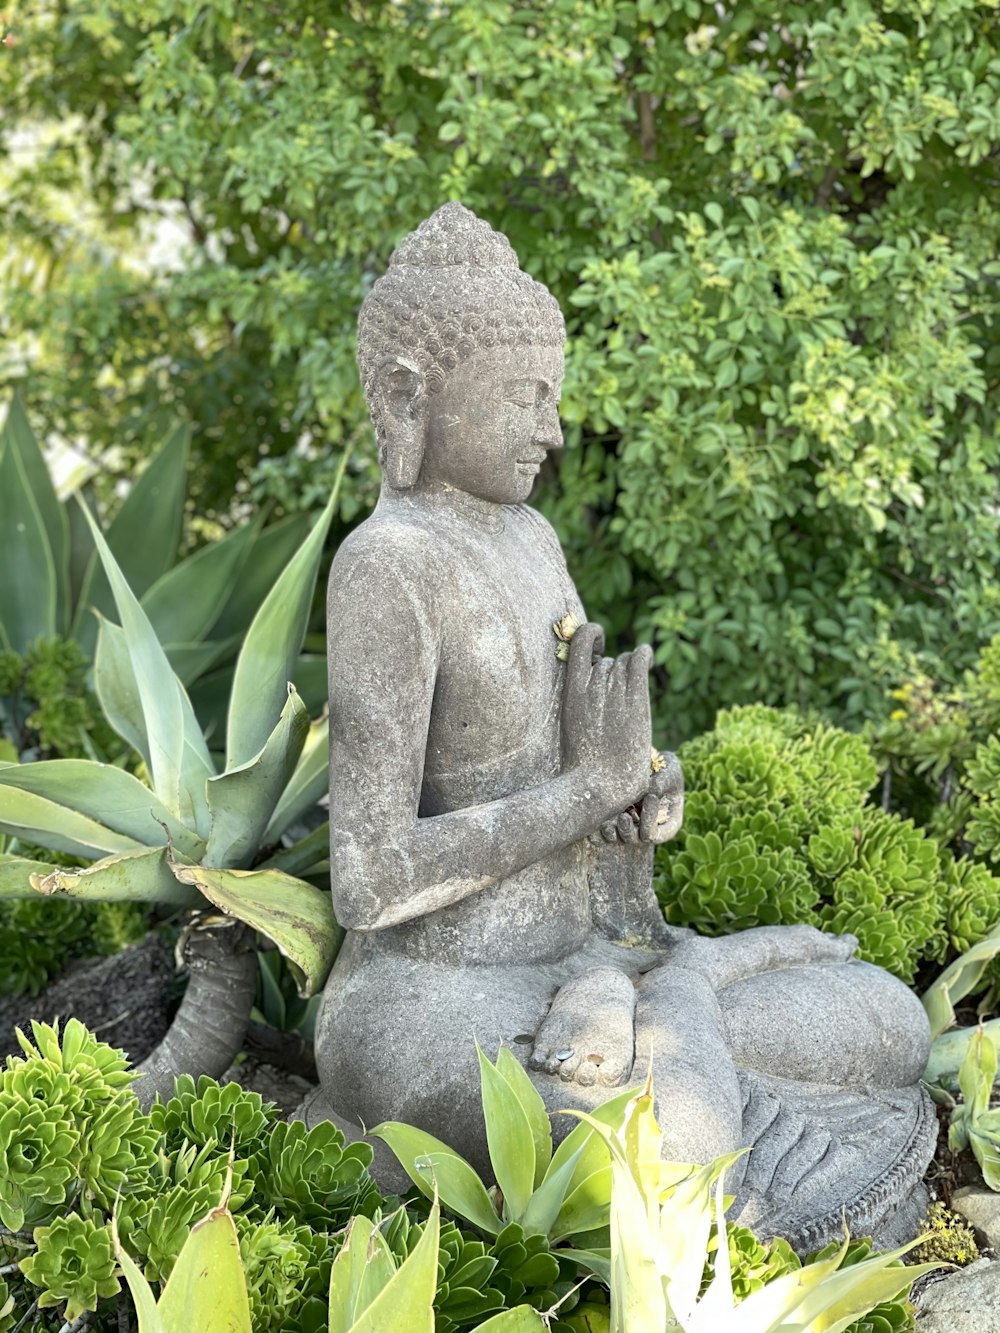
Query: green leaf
x=522 y=1319
x=32 y=818
x=179 y=761
x=309 y=782
x=29 y=584
x=206 y=1289
x=21 y=439
x=433 y=1166
x=547 y=1202
x=534 y=1109
x=15 y=875
x=296 y=916
x=191 y=660
x=142 y=1292
x=406 y=1303
x=268 y=556
x=305 y=856
x=957 y=980
x=243 y=799
x=510 y=1139
x=185 y=602
x=143 y=536
x=266 y=662
x=363 y=1266
x=109 y=795
x=143 y=876
x=116 y=688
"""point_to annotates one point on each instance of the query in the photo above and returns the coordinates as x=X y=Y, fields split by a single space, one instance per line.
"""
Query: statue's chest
x=495 y=718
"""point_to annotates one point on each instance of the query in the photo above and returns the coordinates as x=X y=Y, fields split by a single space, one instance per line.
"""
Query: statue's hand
x=588 y=1035
x=662 y=809
x=605 y=717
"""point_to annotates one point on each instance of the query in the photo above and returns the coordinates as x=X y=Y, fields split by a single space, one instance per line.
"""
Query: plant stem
x=208 y=1029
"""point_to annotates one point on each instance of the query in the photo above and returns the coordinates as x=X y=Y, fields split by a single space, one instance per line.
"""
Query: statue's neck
x=446 y=501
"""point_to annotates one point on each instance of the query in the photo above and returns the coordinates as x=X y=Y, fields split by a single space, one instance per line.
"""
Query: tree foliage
x=772 y=229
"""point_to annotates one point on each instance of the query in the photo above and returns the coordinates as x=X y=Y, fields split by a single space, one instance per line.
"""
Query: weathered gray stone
x=493 y=813
x=964 y=1302
x=981 y=1206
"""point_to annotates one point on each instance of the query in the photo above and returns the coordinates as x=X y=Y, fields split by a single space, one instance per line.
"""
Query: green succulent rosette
x=312 y=1176
x=39 y=1157
x=74 y=1265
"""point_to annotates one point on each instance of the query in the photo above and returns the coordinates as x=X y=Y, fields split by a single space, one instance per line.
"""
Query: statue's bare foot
x=588 y=1035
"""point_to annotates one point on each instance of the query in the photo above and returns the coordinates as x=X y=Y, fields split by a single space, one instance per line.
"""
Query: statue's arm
x=389 y=864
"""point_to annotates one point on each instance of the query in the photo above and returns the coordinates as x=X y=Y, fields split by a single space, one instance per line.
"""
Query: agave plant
x=558 y=1195
x=192 y=836
x=200 y=606
x=662 y=1215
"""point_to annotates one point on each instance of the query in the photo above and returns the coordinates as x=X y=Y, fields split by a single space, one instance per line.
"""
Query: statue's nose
x=548 y=430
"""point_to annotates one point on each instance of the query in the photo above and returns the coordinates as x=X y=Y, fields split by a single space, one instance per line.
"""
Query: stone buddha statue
x=489 y=861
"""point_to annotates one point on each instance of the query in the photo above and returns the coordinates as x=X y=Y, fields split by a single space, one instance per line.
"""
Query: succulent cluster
x=950 y=1238
x=47 y=709
x=779 y=829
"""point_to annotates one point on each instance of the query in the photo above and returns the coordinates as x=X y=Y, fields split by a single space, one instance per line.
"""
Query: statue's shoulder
x=386 y=551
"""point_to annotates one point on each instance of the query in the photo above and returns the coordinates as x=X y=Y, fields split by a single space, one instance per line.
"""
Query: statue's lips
x=530 y=464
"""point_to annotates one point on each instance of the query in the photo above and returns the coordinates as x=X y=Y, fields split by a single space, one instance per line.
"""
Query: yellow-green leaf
x=435 y=1168
x=207 y=1289
x=143 y=876
x=295 y=915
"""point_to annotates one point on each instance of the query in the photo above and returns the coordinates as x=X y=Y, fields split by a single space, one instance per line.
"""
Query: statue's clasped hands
x=606 y=730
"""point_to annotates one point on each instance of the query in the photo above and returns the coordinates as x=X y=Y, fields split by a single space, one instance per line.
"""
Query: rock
x=981 y=1207
x=964 y=1302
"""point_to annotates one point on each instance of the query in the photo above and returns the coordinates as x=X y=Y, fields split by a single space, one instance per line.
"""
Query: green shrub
x=771 y=227
x=47 y=710
x=779 y=828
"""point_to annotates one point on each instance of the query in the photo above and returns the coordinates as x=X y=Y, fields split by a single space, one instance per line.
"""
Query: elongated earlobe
x=402 y=401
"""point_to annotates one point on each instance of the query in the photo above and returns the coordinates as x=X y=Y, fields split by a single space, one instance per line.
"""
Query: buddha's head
x=461 y=359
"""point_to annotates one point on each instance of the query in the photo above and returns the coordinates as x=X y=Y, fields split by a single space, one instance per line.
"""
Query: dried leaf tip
x=564 y=630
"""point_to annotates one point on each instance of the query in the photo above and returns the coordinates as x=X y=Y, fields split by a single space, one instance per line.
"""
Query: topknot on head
x=454 y=235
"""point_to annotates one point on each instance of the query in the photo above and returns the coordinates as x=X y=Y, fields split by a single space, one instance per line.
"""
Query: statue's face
x=491 y=425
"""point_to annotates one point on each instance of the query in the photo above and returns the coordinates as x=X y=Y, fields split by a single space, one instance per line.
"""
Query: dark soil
x=127 y=1000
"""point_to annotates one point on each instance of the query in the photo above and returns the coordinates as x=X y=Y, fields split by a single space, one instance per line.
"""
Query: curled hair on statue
x=414 y=313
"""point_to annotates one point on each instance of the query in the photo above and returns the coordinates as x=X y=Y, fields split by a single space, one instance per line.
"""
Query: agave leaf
x=546 y=1204
x=272 y=645
x=116 y=688
x=185 y=602
x=191 y=660
x=521 y=1319
x=143 y=536
x=585 y=1205
x=597 y=1261
x=28 y=588
x=362 y=1269
x=15 y=875
x=956 y=981
x=307 y=856
x=308 y=783
x=20 y=438
x=143 y=876
x=109 y=795
x=637 y=1298
x=533 y=1107
x=178 y=757
x=242 y=799
x=81 y=551
x=435 y=1168
x=268 y=556
x=296 y=916
x=852 y=1292
x=406 y=1303
x=950 y=1049
x=509 y=1138
x=207 y=1289
x=25 y=815
x=610 y=1115
x=142 y=1292
x=685 y=1223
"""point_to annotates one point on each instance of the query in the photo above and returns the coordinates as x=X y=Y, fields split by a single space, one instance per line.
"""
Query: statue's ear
x=401 y=392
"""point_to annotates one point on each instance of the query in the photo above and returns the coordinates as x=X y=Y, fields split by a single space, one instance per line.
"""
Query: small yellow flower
x=656 y=761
